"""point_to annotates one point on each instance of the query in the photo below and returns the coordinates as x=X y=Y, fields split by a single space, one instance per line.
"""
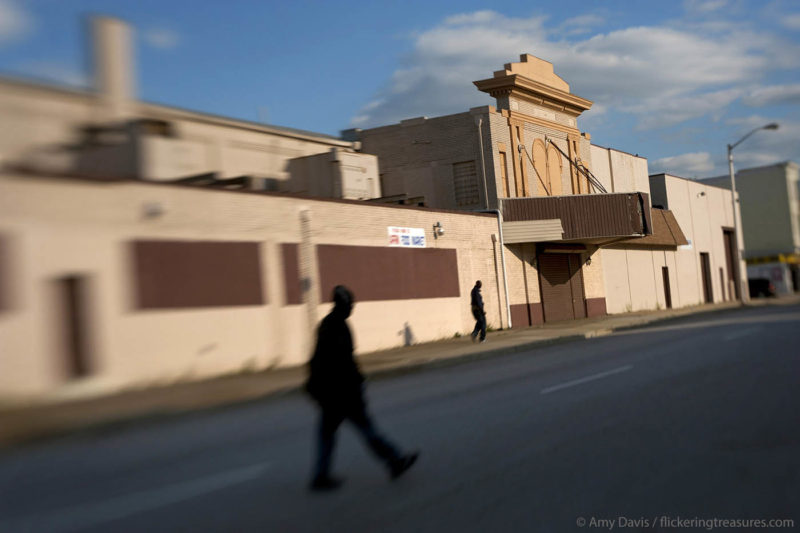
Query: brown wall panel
x=537 y=314
x=584 y=216
x=524 y=315
x=379 y=273
x=5 y=282
x=291 y=273
x=519 y=315
x=181 y=274
x=595 y=307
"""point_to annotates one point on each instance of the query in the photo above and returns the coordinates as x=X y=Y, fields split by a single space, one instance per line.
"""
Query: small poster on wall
x=406 y=237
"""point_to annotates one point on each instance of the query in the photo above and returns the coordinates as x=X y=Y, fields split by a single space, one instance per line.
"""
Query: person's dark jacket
x=476 y=300
x=334 y=378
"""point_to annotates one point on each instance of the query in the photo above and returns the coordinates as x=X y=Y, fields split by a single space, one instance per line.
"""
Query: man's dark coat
x=334 y=378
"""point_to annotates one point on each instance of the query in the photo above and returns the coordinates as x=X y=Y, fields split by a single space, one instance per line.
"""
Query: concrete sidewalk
x=59 y=415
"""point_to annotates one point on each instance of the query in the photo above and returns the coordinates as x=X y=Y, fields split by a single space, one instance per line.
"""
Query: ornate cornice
x=532 y=91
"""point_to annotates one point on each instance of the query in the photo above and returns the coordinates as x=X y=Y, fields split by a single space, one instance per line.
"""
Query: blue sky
x=671 y=81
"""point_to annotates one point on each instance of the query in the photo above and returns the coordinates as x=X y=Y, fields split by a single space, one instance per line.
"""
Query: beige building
x=128 y=283
x=106 y=132
x=770 y=210
x=562 y=199
x=651 y=275
x=125 y=259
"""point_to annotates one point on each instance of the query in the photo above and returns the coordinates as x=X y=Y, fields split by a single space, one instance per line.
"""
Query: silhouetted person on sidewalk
x=476 y=302
x=336 y=384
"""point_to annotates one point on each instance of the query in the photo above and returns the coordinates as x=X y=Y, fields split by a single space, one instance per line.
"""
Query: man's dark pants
x=332 y=417
x=480 y=323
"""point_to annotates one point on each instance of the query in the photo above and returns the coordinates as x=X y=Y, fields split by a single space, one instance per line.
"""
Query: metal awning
x=533 y=231
x=584 y=218
x=667 y=233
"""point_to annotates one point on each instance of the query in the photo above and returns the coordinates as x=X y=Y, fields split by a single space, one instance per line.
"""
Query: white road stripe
x=739 y=334
x=586 y=379
x=94 y=514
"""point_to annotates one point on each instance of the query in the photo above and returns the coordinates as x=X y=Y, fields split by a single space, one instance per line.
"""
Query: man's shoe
x=474 y=336
x=401 y=464
x=325 y=483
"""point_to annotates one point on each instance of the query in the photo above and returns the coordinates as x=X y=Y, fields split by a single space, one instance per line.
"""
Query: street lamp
x=738 y=254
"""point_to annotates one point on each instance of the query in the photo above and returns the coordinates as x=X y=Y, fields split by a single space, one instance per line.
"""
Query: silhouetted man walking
x=336 y=384
x=476 y=302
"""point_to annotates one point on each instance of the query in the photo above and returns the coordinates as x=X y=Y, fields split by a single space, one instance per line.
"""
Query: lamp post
x=743 y=293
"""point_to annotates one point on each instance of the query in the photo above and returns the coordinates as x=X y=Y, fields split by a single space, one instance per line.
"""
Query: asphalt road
x=696 y=418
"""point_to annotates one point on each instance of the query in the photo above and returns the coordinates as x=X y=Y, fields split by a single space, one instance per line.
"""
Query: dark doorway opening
x=667 y=291
x=73 y=313
x=730 y=263
x=705 y=272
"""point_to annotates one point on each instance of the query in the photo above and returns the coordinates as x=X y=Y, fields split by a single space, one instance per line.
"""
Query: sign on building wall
x=407 y=237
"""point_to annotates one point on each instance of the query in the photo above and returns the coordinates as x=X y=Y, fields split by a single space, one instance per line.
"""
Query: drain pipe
x=483 y=165
x=499 y=220
x=502 y=259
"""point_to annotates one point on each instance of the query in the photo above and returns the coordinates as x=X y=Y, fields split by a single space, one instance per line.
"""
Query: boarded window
x=465 y=179
x=504 y=174
x=181 y=274
x=377 y=273
x=554 y=170
x=5 y=284
x=540 y=168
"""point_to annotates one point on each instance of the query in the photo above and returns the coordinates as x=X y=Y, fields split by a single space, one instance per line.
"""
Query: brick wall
x=81 y=228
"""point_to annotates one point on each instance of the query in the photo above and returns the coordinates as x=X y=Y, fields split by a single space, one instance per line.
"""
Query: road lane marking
x=98 y=513
x=586 y=379
x=740 y=334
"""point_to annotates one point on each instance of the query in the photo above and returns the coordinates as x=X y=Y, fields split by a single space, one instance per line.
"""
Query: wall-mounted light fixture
x=588 y=261
x=438 y=230
x=701 y=193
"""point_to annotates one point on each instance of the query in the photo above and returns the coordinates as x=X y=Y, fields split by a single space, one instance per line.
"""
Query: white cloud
x=685 y=165
x=703 y=6
x=657 y=112
x=774 y=94
x=14 y=22
x=791 y=21
x=162 y=38
x=765 y=147
x=581 y=24
x=663 y=75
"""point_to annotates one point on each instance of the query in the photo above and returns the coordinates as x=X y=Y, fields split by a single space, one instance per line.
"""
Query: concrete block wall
x=416 y=157
x=619 y=171
x=634 y=280
x=61 y=227
x=633 y=276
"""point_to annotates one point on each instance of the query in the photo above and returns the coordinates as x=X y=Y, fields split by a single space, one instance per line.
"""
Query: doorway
x=667 y=291
x=705 y=272
x=561 y=284
x=730 y=262
x=71 y=294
